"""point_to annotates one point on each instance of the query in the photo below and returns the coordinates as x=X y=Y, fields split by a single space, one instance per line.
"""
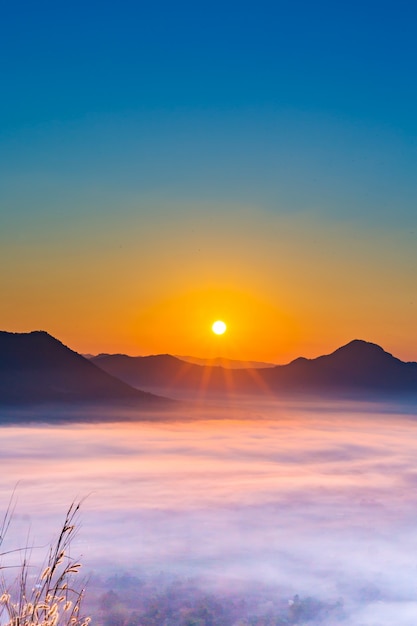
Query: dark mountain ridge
x=359 y=367
x=212 y=362
x=37 y=368
x=226 y=363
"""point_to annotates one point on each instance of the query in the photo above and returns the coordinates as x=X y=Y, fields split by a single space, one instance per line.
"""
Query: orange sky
x=285 y=286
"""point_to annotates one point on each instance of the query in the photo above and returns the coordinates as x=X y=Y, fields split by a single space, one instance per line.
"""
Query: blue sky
x=173 y=112
x=351 y=60
x=216 y=92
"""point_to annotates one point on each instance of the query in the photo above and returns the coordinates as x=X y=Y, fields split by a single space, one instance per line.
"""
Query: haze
x=317 y=500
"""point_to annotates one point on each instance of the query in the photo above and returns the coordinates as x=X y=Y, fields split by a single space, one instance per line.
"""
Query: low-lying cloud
x=309 y=500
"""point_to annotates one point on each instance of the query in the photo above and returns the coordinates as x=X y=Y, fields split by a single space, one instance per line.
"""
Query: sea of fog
x=318 y=499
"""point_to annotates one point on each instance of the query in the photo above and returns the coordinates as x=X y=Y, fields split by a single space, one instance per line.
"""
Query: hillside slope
x=37 y=368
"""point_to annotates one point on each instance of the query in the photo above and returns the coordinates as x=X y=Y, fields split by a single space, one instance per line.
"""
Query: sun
x=219 y=327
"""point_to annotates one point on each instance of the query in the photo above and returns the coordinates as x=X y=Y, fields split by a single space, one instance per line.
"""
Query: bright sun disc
x=219 y=327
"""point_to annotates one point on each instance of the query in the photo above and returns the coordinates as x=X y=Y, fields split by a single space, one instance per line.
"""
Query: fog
x=294 y=498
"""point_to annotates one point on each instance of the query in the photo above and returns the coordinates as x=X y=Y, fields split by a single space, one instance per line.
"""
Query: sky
x=163 y=165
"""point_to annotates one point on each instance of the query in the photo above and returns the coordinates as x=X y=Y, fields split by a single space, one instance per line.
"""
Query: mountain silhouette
x=359 y=365
x=37 y=368
x=358 y=368
x=224 y=362
x=154 y=372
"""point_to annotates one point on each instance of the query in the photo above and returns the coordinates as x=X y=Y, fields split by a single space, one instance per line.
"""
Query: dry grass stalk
x=53 y=599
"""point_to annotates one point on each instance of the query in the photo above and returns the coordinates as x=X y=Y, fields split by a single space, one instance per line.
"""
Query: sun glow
x=219 y=327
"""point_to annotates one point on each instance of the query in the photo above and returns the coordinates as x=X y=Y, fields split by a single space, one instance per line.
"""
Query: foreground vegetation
x=49 y=596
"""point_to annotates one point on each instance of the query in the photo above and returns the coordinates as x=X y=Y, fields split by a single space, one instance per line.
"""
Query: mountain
x=358 y=368
x=154 y=372
x=169 y=375
x=219 y=361
x=37 y=368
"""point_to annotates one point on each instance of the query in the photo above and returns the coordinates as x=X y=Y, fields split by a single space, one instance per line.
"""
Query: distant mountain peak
x=360 y=349
x=361 y=344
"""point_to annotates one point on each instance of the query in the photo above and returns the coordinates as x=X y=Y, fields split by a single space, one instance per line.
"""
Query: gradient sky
x=166 y=164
